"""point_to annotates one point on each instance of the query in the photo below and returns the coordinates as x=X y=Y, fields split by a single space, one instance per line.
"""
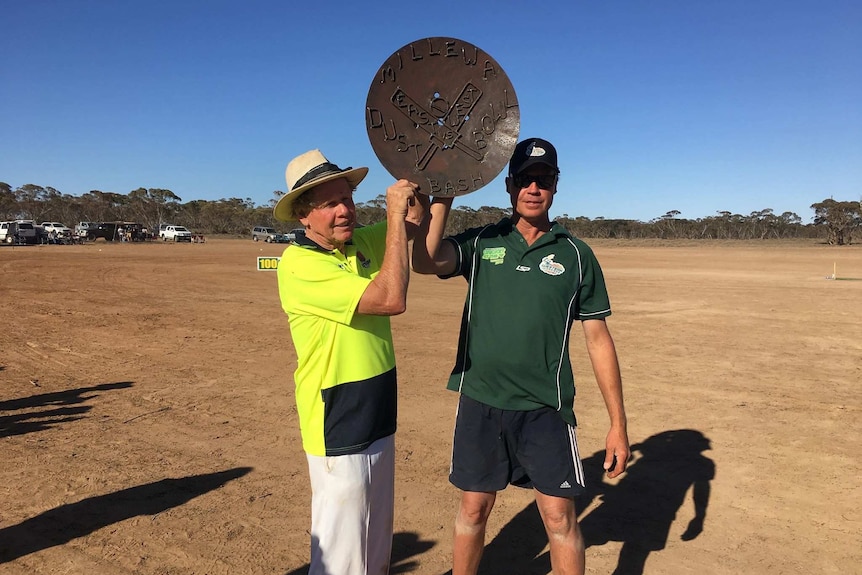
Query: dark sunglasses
x=544 y=181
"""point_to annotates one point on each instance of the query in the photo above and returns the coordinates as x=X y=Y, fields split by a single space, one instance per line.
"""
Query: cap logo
x=535 y=151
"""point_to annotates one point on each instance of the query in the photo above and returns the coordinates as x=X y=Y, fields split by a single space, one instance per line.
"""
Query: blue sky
x=689 y=105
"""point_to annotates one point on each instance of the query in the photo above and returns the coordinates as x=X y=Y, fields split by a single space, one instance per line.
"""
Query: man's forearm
x=394 y=275
x=607 y=371
x=427 y=243
x=606 y=367
x=386 y=294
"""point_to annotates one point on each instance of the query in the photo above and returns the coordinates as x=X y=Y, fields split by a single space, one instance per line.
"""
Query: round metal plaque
x=442 y=113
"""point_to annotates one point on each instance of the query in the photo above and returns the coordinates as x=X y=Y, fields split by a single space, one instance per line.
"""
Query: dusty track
x=147 y=423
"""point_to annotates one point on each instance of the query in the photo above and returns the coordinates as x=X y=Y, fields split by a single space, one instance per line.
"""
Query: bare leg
x=469 y=541
x=564 y=535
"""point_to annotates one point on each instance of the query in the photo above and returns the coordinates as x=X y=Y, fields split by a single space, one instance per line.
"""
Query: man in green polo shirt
x=338 y=285
x=528 y=281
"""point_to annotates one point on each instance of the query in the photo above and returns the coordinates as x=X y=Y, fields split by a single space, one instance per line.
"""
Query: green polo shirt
x=513 y=350
x=345 y=375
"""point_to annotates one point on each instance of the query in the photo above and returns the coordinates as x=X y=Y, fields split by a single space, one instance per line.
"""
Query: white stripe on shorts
x=576 y=457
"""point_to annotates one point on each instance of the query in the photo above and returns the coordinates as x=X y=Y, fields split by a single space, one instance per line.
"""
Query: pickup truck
x=105 y=230
x=19 y=231
x=175 y=234
x=61 y=232
x=84 y=229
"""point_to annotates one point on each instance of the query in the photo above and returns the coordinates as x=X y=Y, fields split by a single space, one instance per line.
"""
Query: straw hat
x=306 y=171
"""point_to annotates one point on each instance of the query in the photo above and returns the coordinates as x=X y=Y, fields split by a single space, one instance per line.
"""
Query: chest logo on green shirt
x=550 y=267
x=494 y=255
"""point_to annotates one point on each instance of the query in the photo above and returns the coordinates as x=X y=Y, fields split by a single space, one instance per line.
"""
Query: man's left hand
x=617 y=452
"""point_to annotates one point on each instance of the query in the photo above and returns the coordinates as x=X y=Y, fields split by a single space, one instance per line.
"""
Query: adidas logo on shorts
x=565 y=485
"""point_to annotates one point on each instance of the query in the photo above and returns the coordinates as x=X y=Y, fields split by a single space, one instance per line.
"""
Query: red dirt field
x=147 y=421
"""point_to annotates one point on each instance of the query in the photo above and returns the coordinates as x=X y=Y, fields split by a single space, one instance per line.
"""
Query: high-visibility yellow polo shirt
x=345 y=378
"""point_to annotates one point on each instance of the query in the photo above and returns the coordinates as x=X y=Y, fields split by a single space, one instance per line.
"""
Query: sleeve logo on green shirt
x=494 y=255
x=550 y=267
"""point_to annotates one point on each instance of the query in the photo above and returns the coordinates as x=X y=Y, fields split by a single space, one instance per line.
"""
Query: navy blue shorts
x=495 y=447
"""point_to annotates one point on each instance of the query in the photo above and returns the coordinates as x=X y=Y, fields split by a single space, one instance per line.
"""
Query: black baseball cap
x=530 y=152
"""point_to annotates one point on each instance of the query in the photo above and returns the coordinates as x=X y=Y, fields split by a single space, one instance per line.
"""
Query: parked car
x=175 y=234
x=106 y=230
x=61 y=232
x=8 y=232
x=293 y=234
x=264 y=233
x=19 y=231
x=82 y=229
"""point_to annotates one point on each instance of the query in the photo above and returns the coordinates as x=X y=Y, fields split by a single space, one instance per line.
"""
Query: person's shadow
x=45 y=410
x=640 y=509
x=61 y=524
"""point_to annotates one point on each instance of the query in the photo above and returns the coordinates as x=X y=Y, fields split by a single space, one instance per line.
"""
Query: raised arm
x=603 y=357
x=416 y=210
x=387 y=292
x=431 y=255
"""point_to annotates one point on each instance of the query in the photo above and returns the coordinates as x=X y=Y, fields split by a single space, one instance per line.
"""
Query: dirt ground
x=147 y=420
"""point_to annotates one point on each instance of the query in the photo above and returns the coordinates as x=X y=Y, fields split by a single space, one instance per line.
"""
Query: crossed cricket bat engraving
x=440 y=139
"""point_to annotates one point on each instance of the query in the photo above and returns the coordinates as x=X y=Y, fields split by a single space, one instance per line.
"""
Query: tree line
x=835 y=221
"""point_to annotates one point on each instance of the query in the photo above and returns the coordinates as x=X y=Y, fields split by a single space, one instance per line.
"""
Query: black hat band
x=317 y=171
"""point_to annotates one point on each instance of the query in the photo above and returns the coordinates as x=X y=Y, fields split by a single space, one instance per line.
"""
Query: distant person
x=338 y=284
x=528 y=281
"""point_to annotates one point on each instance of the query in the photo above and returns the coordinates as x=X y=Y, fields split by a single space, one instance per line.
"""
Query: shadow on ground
x=45 y=410
x=62 y=524
x=638 y=511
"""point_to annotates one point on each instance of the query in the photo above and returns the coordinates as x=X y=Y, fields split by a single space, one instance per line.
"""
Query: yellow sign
x=267 y=263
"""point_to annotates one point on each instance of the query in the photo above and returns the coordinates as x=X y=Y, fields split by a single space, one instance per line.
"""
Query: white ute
x=60 y=231
x=176 y=234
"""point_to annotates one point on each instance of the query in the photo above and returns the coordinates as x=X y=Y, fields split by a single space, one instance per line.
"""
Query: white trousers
x=352 y=511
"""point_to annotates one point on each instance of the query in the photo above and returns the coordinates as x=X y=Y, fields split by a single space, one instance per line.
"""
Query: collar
x=506 y=225
x=304 y=241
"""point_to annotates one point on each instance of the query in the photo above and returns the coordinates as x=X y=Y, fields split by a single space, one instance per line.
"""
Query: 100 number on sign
x=267 y=264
